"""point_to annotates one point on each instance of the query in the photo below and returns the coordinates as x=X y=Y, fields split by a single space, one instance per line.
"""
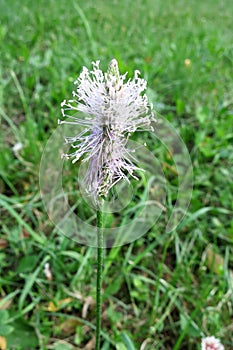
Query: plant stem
x=99 y=275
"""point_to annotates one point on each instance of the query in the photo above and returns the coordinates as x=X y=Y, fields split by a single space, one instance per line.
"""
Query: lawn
x=165 y=290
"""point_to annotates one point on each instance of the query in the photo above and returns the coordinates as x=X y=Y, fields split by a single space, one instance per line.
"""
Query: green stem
x=99 y=275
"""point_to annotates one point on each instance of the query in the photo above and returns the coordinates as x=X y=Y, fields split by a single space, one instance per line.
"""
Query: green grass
x=165 y=290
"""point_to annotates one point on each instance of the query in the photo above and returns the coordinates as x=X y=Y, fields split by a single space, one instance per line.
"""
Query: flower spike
x=112 y=108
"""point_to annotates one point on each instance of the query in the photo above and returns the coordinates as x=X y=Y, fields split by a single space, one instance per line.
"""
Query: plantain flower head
x=211 y=343
x=111 y=109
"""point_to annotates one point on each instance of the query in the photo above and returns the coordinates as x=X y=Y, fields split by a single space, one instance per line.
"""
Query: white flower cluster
x=211 y=343
x=111 y=109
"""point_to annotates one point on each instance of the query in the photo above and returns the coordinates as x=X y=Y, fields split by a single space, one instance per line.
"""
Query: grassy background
x=164 y=291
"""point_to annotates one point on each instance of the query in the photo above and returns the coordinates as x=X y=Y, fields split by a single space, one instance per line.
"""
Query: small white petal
x=17 y=147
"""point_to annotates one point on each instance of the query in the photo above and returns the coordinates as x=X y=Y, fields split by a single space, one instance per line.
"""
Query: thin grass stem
x=99 y=276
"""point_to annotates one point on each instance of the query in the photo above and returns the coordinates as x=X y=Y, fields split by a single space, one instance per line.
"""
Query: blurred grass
x=164 y=290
